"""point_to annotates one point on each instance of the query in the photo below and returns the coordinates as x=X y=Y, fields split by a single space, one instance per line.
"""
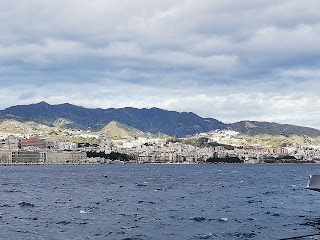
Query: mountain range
x=153 y=120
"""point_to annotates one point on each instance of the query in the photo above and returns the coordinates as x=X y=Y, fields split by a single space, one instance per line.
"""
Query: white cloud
x=224 y=59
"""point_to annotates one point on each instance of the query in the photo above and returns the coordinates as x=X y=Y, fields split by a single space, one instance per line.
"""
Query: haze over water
x=157 y=202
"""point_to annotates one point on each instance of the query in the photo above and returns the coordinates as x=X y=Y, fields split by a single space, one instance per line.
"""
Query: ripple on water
x=205 y=236
x=6 y=206
x=63 y=223
x=138 y=237
x=11 y=191
x=198 y=219
x=314 y=222
x=89 y=202
x=25 y=204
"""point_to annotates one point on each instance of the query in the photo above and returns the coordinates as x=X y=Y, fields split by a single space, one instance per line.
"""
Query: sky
x=229 y=60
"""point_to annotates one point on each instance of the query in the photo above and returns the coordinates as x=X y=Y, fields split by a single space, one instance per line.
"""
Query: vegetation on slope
x=153 y=120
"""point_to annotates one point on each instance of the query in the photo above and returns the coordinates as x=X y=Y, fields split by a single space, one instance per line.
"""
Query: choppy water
x=139 y=202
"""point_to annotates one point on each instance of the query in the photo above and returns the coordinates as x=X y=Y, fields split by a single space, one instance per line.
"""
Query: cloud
x=224 y=59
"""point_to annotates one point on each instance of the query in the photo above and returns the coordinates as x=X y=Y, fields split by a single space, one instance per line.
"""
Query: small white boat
x=314 y=183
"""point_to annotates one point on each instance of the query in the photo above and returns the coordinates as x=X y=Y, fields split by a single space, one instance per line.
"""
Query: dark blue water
x=158 y=202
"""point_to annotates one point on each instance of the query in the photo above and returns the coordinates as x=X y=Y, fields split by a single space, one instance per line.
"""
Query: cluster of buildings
x=161 y=151
x=14 y=150
x=34 y=150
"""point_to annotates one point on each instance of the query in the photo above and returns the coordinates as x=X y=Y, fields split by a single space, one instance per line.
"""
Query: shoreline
x=124 y=163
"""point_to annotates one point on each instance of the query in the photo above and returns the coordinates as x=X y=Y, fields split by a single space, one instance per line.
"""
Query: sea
x=160 y=202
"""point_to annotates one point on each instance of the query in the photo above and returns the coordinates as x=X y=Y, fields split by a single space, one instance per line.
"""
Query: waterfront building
x=63 y=157
x=23 y=156
x=32 y=142
x=5 y=155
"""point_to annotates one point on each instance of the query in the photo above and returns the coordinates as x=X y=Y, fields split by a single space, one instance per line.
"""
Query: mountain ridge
x=152 y=120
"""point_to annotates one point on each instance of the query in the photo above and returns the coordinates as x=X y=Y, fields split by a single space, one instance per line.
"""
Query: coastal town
x=218 y=146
